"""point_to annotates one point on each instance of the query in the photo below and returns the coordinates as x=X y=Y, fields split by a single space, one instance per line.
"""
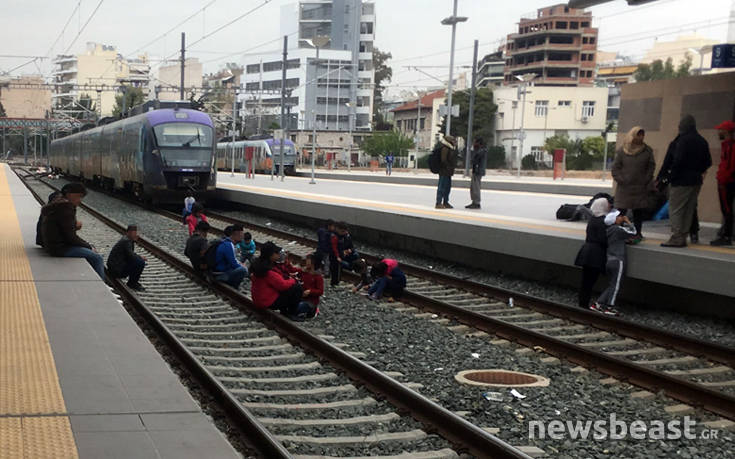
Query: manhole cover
x=500 y=378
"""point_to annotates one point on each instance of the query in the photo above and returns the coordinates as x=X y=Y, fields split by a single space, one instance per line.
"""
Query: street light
x=525 y=79
x=349 y=124
x=452 y=20
x=318 y=41
x=313 y=146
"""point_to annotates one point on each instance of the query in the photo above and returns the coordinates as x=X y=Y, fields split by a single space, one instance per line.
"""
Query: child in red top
x=312 y=282
x=196 y=216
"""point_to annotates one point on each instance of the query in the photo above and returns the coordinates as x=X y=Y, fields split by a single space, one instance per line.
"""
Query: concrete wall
x=26 y=103
x=657 y=106
x=170 y=75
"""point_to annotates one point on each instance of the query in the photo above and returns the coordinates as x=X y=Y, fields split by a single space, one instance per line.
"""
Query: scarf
x=628 y=146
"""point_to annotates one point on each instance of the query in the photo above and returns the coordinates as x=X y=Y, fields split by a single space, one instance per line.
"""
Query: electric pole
x=471 y=117
x=283 y=103
x=183 y=64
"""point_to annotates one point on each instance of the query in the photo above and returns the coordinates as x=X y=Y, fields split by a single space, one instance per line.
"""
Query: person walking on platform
x=196 y=247
x=617 y=236
x=59 y=228
x=592 y=256
x=447 y=156
x=690 y=161
x=479 y=161
x=196 y=216
x=123 y=262
x=726 y=181
x=389 y=158
x=227 y=268
x=633 y=172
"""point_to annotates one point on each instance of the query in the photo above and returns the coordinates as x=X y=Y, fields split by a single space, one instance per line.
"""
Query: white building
x=169 y=79
x=338 y=93
x=578 y=112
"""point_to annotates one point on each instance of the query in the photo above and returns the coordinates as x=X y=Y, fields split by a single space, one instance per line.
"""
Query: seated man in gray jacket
x=124 y=262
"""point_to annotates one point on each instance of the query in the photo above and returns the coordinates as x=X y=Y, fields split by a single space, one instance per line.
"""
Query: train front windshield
x=184 y=144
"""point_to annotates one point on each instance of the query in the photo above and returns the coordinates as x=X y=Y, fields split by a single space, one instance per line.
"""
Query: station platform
x=514 y=232
x=498 y=182
x=78 y=378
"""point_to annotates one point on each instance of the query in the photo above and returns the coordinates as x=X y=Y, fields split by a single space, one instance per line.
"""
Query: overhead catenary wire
x=84 y=26
x=63 y=29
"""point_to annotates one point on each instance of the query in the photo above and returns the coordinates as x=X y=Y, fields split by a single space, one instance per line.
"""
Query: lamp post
x=349 y=125
x=317 y=42
x=452 y=21
x=525 y=79
x=313 y=146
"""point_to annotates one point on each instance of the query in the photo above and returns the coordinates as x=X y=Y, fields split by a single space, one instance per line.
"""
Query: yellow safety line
x=651 y=242
x=33 y=423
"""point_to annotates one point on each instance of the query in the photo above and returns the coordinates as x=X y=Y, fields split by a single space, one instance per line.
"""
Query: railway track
x=698 y=373
x=288 y=391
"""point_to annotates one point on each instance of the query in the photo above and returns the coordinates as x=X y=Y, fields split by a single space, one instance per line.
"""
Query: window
x=588 y=109
x=561 y=24
x=398 y=124
x=366 y=28
x=592 y=40
x=183 y=135
x=423 y=124
x=253 y=68
x=565 y=103
x=574 y=25
x=368 y=9
x=538 y=153
x=542 y=108
x=585 y=24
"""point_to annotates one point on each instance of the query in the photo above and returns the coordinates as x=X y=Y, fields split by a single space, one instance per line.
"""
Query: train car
x=264 y=153
x=159 y=155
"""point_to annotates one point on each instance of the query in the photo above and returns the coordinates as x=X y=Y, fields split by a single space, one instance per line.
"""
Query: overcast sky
x=409 y=29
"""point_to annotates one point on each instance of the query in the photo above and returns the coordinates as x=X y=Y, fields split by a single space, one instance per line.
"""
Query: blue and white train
x=159 y=155
x=264 y=154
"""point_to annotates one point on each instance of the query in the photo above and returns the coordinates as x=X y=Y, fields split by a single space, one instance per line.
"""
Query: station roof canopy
x=588 y=3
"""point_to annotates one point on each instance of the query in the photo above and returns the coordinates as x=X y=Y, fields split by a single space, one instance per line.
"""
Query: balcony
x=64 y=71
x=546 y=47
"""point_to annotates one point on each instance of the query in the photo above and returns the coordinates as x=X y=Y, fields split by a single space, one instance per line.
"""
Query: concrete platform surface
x=500 y=182
x=510 y=224
x=121 y=397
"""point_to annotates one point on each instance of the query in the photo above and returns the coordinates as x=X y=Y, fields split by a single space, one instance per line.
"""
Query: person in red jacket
x=726 y=181
x=312 y=283
x=196 y=216
x=268 y=288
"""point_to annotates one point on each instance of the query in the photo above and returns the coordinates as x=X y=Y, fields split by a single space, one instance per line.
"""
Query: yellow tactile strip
x=32 y=420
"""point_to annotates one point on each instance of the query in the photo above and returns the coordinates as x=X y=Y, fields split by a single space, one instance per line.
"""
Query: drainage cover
x=501 y=378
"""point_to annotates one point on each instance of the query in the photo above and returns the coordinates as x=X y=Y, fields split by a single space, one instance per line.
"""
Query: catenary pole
x=471 y=118
x=523 y=132
x=283 y=104
x=451 y=72
x=234 y=126
x=313 y=121
x=183 y=64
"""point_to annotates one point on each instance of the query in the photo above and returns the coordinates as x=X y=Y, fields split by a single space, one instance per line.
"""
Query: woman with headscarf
x=592 y=257
x=633 y=172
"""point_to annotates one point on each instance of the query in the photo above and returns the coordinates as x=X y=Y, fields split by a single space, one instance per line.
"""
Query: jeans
x=233 y=278
x=388 y=168
x=394 y=286
x=288 y=300
x=443 y=189
x=93 y=258
x=132 y=271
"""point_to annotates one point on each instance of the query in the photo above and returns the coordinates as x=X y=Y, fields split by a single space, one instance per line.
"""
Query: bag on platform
x=210 y=256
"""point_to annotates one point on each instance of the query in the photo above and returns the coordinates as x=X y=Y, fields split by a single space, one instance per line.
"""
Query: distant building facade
x=26 y=97
x=491 y=70
x=558 y=45
x=421 y=124
x=169 y=77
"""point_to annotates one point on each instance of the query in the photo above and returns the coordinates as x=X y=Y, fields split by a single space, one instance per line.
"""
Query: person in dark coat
x=448 y=160
x=123 y=262
x=59 y=228
x=633 y=172
x=39 y=236
x=479 y=161
x=663 y=180
x=592 y=257
x=196 y=248
x=690 y=160
x=726 y=181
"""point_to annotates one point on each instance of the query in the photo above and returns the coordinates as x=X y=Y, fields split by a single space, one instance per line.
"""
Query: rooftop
x=426 y=101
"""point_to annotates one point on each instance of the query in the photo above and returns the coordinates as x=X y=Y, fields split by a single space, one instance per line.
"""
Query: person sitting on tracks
x=59 y=228
x=323 y=248
x=188 y=204
x=39 y=236
x=389 y=279
x=343 y=254
x=247 y=248
x=312 y=282
x=123 y=262
x=617 y=235
x=591 y=257
x=227 y=269
x=283 y=265
x=270 y=290
x=196 y=247
x=196 y=216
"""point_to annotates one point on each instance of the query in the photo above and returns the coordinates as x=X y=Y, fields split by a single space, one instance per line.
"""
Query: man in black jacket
x=448 y=160
x=479 y=161
x=59 y=228
x=690 y=160
x=124 y=262
x=196 y=247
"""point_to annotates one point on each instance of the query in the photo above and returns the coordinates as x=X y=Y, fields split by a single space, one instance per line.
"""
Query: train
x=264 y=153
x=158 y=155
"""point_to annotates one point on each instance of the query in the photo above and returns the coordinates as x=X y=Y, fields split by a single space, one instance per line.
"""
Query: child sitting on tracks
x=247 y=248
x=617 y=235
x=389 y=279
x=196 y=216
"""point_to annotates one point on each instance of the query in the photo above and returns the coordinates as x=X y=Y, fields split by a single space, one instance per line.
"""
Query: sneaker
x=372 y=297
x=721 y=241
x=439 y=206
x=136 y=286
x=472 y=206
x=610 y=311
x=673 y=243
x=448 y=206
x=597 y=307
x=694 y=237
x=635 y=240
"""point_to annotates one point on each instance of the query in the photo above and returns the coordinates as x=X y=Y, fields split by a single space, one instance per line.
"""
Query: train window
x=183 y=135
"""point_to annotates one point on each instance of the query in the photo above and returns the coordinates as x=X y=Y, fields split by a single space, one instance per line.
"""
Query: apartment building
x=491 y=70
x=26 y=97
x=166 y=85
x=421 y=123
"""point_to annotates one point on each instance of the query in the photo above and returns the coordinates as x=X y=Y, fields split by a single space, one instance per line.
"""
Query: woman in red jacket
x=196 y=216
x=268 y=288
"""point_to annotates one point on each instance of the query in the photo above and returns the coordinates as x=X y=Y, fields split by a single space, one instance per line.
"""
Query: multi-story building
x=26 y=97
x=169 y=79
x=333 y=93
x=557 y=43
x=491 y=70
x=100 y=65
x=421 y=123
x=577 y=112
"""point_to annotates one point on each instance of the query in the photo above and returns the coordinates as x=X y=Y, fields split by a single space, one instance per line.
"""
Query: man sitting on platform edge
x=123 y=262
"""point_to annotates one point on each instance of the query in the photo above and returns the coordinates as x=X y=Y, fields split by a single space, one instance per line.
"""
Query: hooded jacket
x=479 y=161
x=633 y=172
x=59 y=227
x=265 y=290
x=726 y=170
x=691 y=156
x=448 y=157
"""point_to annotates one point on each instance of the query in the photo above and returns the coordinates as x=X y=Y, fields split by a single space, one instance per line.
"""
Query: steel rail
x=452 y=427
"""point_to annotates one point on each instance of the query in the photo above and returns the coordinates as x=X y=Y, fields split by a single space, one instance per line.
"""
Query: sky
x=409 y=29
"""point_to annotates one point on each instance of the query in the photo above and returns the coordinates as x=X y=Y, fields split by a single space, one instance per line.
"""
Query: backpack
x=566 y=211
x=435 y=160
x=210 y=256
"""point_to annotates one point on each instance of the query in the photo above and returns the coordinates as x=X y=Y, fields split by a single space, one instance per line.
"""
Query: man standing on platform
x=447 y=153
x=726 y=181
x=389 y=158
x=479 y=160
x=690 y=160
x=124 y=262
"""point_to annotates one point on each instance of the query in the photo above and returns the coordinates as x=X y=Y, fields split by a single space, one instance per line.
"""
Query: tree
x=133 y=96
x=660 y=70
x=581 y=154
x=380 y=144
x=383 y=74
x=274 y=125
x=2 y=111
x=482 y=123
